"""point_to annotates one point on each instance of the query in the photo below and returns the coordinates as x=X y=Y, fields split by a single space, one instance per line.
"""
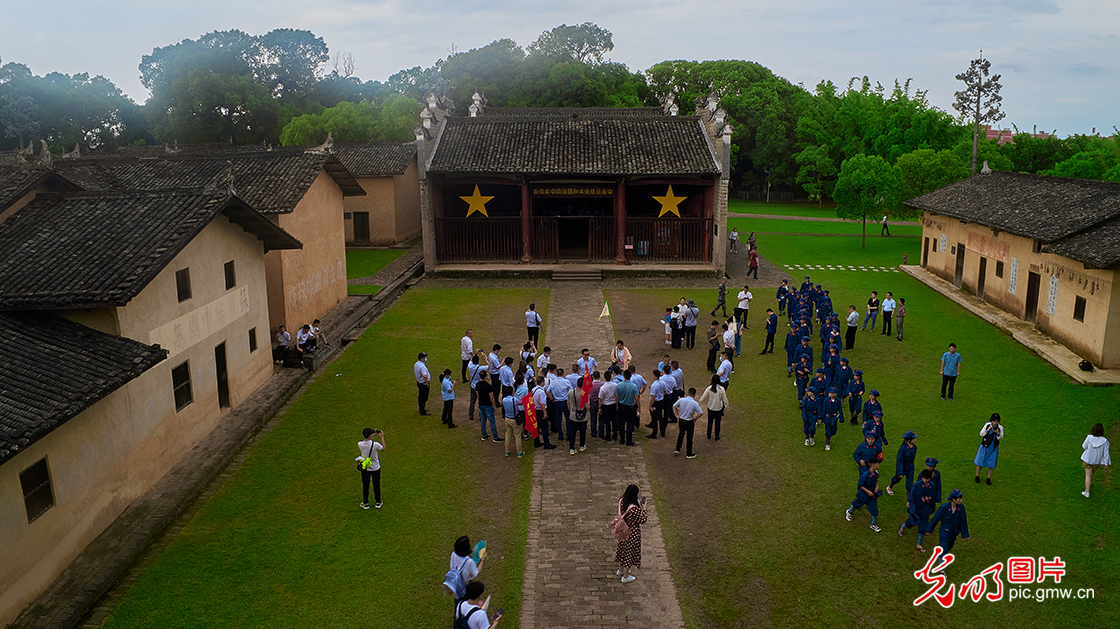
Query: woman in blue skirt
x=988 y=454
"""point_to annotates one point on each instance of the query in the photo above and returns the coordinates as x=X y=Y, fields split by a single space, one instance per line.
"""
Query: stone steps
x=576 y=274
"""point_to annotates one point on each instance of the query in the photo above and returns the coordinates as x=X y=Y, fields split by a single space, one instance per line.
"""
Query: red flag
x=530 y=415
x=586 y=394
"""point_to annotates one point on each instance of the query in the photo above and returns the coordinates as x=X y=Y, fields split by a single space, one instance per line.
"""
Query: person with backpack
x=371 y=470
x=468 y=610
x=463 y=569
x=631 y=517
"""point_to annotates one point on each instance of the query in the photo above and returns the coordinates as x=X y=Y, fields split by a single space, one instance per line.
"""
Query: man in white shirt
x=283 y=340
x=725 y=369
x=687 y=410
x=423 y=381
x=533 y=323
x=466 y=350
x=505 y=376
x=494 y=364
x=888 y=313
x=471 y=608
x=544 y=359
x=745 y=298
x=608 y=409
x=850 y=333
x=305 y=341
x=690 y=314
x=540 y=403
x=371 y=471
x=558 y=393
x=476 y=372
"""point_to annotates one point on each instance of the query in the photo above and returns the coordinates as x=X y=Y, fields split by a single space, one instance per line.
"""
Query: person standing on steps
x=872 y=311
x=988 y=454
x=899 y=316
x=423 y=381
x=629 y=552
x=721 y=298
x=752 y=262
x=533 y=323
x=1094 y=455
x=371 y=470
x=691 y=312
x=950 y=369
x=888 y=313
x=466 y=351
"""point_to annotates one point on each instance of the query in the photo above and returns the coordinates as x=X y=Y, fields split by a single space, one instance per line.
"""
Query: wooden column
x=620 y=216
x=526 y=223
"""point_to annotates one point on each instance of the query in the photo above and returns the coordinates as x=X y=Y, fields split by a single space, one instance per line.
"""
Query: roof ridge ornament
x=75 y=154
x=44 y=154
x=985 y=170
x=669 y=104
x=324 y=148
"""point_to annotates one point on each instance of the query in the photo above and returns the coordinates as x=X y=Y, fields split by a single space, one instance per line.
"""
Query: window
x=999 y=269
x=231 y=276
x=252 y=340
x=1079 y=309
x=181 y=383
x=183 y=283
x=1036 y=246
x=37 y=495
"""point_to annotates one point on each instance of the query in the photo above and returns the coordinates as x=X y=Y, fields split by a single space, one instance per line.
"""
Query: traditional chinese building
x=389 y=212
x=592 y=185
x=1045 y=249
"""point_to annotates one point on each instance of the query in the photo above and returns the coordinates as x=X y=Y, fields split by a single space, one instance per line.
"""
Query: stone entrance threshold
x=1054 y=352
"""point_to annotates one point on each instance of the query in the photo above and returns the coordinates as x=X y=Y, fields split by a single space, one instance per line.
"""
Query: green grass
x=362 y=289
x=747 y=225
x=755 y=528
x=781 y=208
x=283 y=542
x=366 y=262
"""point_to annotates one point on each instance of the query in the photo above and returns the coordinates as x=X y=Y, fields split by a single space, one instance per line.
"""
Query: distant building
x=131 y=322
x=1045 y=249
x=600 y=185
x=389 y=212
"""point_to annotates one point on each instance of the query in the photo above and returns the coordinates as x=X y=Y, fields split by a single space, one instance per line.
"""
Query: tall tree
x=926 y=170
x=585 y=43
x=868 y=186
x=815 y=172
x=980 y=99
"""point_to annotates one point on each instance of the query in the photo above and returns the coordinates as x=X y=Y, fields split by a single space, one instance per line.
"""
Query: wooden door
x=981 y=278
x=361 y=227
x=959 y=275
x=1034 y=280
x=223 y=375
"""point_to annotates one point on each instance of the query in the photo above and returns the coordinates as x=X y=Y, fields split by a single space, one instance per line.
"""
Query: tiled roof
x=85 y=250
x=1032 y=206
x=375 y=160
x=576 y=144
x=575 y=112
x=16 y=182
x=1097 y=247
x=52 y=369
x=270 y=181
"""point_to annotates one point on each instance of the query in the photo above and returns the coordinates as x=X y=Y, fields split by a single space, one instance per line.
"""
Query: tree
x=868 y=186
x=815 y=172
x=362 y=122
x=926 y=170
x=17 y=116
x=585 y=43
x=980 y=99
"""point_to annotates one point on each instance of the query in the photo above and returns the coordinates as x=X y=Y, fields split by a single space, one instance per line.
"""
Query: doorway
x=573 y=233
x=576 y=220
x=980 y=279
x=223 y=375
x=925 y=254
x=361 y=227
x=959 y=275
x=1034 y=281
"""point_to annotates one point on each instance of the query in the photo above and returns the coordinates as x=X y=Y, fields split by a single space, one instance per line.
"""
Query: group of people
x=752 y=250
x=306 y=342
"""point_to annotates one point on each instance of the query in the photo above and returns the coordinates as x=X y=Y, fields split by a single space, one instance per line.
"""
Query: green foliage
x=391 y=121
x=986 y=151
x=816 y=172
x=585 y=43
x=1098 y=158
x=868 y=187
x=979 y=101
x=927 y=170
x=1029 y=154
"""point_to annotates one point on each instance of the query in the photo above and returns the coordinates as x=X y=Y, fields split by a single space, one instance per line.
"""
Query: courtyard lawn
x=747 y=225
x=366 y=262
x=754 y=526
x=283 y=542
x=783 y=208
x=362 y=289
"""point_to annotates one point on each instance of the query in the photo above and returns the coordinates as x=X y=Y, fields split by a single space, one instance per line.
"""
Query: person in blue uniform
x=904 y=462
x=657 y=407
x=831 y=364
x=810 y=415
x=935 y=478
x=824 y=307
x=855 y=392
x=872 y=404
x=791 y=304
x=771 y=330
x=831 y=411
x=793 y=339
x=950 y=521
x=803 y=349
x=875 y=425
x=867 y=495
x=920 y=504
x=819 y=385
x=806 y=285
x=843 y=378
x=783 y=290
x=804 y=372
x=866 y=452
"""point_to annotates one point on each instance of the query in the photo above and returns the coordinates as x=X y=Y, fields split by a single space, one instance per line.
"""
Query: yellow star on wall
x=478 y=202
x=669 y=203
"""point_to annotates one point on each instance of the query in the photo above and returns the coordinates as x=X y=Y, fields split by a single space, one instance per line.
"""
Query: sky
x=1059 y=59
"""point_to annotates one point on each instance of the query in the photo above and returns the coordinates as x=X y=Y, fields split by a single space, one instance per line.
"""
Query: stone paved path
x=569 y=569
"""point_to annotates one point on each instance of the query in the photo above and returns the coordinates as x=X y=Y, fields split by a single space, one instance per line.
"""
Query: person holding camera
x=370 y=466
x=988 y=453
